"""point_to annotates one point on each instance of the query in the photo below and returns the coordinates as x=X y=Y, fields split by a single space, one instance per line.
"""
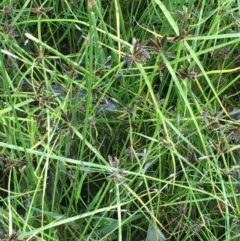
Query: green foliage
x=119 y=120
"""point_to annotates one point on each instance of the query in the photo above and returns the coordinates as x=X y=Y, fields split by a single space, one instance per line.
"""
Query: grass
x=119 y=120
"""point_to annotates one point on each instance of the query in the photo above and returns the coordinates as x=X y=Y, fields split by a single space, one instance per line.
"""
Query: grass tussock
x=119 y=120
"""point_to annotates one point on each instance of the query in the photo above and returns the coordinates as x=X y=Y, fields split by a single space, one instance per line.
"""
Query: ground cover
x=119 y=120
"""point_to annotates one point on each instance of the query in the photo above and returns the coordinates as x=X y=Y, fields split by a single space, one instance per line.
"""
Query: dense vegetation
x=119 y=120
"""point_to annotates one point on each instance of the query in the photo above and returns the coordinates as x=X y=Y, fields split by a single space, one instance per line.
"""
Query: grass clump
x=119 y=119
